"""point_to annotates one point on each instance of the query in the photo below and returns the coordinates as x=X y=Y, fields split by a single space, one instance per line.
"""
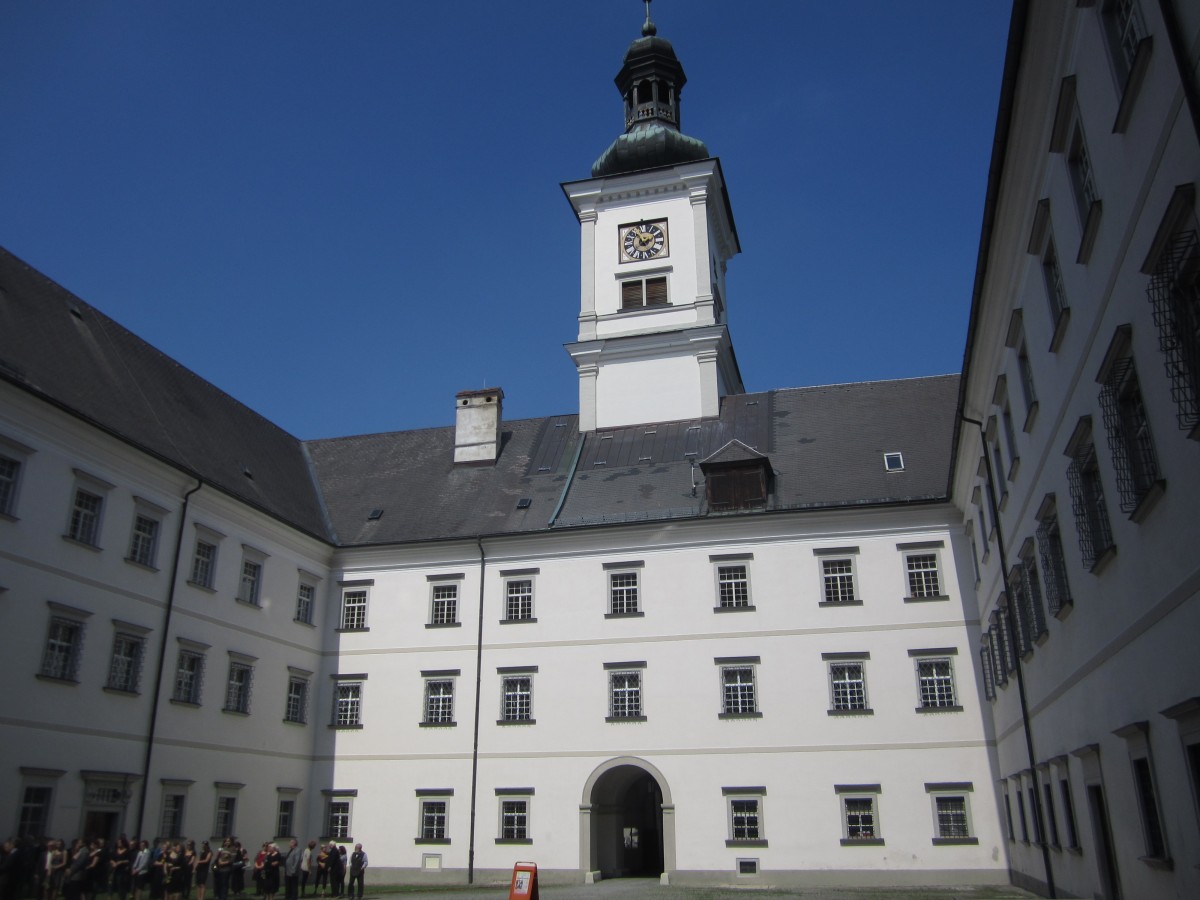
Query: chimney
x=477 y=426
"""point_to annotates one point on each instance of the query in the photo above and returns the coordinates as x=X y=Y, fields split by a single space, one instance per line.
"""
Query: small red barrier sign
x=524 y=882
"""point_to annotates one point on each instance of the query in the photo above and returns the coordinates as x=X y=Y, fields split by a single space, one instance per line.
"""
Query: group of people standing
x=170 y=869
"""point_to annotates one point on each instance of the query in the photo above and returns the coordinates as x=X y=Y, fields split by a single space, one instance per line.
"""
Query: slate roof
x=824 y=444
x=60 y=348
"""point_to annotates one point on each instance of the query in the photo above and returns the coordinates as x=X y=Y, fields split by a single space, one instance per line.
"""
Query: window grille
x=936 y=679
x=860 y=818
x=738 y=690
x=237 y=689
x=625 y=695
x=1054 y=565
x=838 y=578
x=126 y=664
x=623 y=591
x=744 y=819
x=1087 y=502
x=60 y=658
x=1174 y=293
x=995 y=645
x=439 y=702
x=923 y=578
x=1020 y=613
x=952 y=817
x=1128 y=429
x=514 y=820
x=347 y=704
x=518 y=698
x=734 y=586
x=433 y=820
x=1033 y=598
x=189 y=674
x=985 y=664
x=354 y=610
x=1004 y=632
x=848 y=686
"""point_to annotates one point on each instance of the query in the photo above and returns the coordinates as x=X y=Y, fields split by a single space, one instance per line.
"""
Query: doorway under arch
x=627 y=821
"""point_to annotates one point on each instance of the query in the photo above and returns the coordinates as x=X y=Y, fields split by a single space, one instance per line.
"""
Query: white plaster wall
x=648 y=390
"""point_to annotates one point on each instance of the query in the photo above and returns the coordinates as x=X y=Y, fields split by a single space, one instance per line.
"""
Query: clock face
x=645 y=240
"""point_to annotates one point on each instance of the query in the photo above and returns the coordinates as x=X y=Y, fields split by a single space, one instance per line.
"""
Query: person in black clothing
x=358 y=865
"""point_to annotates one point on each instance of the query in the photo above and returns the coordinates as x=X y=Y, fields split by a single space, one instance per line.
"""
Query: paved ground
x=650 y=889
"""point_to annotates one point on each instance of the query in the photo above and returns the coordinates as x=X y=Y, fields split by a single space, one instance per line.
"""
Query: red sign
x=524 y=882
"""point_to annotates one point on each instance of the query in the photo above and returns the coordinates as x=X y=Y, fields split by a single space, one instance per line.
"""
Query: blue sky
x=343 y=213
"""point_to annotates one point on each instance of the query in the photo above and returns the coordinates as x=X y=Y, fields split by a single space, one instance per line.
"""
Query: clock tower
x=656 y=232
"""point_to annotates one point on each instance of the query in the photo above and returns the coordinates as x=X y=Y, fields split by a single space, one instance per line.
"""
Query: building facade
x=927 y=631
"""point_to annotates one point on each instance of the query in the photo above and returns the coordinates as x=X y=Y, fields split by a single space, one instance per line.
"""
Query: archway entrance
x=628 y=826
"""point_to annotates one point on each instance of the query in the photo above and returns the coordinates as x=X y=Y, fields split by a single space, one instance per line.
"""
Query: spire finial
x=649 y=29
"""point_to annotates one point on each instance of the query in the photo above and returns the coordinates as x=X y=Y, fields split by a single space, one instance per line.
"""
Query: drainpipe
x=1039 y=821
x=475 y=741
x=162 y=655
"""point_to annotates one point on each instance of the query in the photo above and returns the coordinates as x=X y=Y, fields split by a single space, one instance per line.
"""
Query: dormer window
x=736 y=477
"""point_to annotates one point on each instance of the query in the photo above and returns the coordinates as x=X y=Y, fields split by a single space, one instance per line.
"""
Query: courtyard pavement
x=650 y=889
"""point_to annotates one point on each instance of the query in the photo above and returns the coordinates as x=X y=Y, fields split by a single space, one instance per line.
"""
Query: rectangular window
x=189 y=676
x=1021 y=813
x=354 y=610
x=1124 y=29
x=1010 y=439
x=204 y=562
x=85 y=517
x=347 y=704
x=935 y=683
x=64 y=640
x=860 y=822
x=733 y=587
x=439 y=701
x=237 y=687
x=744 y=820
x=837 y=580
x=1174 y=292
x=923 y=578
x=951 y=815
x=738 y=694
x=1048 y=812
x=1034 y=819
x=1054 y=563
x=639 y=292
x=296 y=710
x=337 y=820
x=444 y=610
x=1148 y=807
x=1056 y=292
x=847 y=686
x=1028 y=389
x=625 y=695
x=35 y=810
x=1128 y=427
x=125 y=666
x=10 y=471
x=172 y=815
x=514 y=820
x=433 y=820
x=250 y=586
x=516 y=704
x=1087 y=498
x=305 y=594
x=143 y=546
x=225 y=818
x=518 y=597
x=285 y=818
x=623 y=593
x=1064 y=789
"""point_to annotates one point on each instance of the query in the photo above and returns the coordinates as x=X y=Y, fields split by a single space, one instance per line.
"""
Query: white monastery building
x=927 y=631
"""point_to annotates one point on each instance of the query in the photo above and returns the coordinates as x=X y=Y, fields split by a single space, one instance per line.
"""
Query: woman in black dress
x=176 y=873
x=203 y=862
x=272 y=870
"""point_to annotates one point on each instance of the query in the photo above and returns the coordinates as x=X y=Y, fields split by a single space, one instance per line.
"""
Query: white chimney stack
x=477 y=426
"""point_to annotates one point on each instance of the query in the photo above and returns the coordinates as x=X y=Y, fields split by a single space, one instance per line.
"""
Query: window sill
x=120 y=692
x=626 y=615
x=744 y=842
x=939 y=709
x=862 y=842
x=934 y=599
x=748 y=715
x=514 y=840
x=326 y=838
x=1060 y=329
x=54 y=679
x=1091 y=228
x=1064 y=611
x=438 y=724
x=624 y=718
x=1014 y=469
x=850 y=712
x=7 y=517
x=333 y=726
x=832 y=603
x=734 y=609
x=236 y=712
x=1003 y=504
x=1162 y=863
x=78 y=543
x=516 y=721
x=1148 y=501
x=141 y=565
x=528 y=621
x=304 y=622
x=955 y=842
x=250 y=603
x=207 y=588
x=175 y=701
x=1030 y=417
x=1103 y=559
x=354 y=630
x=443 y=624
x=439 y=841
x=299 y=722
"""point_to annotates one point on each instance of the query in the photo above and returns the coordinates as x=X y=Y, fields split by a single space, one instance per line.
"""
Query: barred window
x=439 y=701
x=923 y=579
x=837 y=578
x=859 y=818
x=847 y=686
x=1083 y=178
x=995 y=646
x=1054 y=564
x=738 y=691
x=986 y=665
x=189 y=675
x=623 y=593
x=85 y=517
x=744 y=819
x=125 y=666
x=935 y=683
x=514 y=820
x=1174 y=293
x=517 y=699
x=518 y=600
x=354 y=610
x=444 y=608
x=296 y=708
x=1056 y=292
x=347 y=704
x=733 y=586
x=237 y=687
x=143 y=545
x=1028 y=388
x=625 y=694
x=60 y=657
x=1128 y=427
x=952 y=820
x=433 y=820
x=1087 y=499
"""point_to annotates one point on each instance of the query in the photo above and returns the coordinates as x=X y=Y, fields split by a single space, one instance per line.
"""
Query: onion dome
x=651 y=81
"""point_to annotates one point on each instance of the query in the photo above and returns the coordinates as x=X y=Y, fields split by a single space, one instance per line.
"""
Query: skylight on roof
x=893 y=462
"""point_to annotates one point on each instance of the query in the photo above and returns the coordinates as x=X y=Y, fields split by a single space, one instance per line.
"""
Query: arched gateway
x=626 y=821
